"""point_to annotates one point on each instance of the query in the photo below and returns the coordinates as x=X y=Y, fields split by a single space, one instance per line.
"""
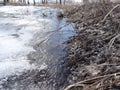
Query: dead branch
x=110 y=12
x=88 y=80
x=112 y=40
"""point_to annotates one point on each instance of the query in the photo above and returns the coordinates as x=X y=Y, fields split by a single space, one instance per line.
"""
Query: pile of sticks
x=94 y=53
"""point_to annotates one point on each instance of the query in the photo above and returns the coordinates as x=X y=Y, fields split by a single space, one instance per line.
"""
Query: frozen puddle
x=18 y=25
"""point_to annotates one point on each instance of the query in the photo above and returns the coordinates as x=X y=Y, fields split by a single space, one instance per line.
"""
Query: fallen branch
x=110 y=12
x=88 y=80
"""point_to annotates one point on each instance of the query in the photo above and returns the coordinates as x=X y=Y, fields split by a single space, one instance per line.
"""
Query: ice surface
x=18 y=25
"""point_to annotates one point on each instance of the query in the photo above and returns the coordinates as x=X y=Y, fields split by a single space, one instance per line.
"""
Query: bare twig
x=110 y=12
x=112 y=40
x=92 y=79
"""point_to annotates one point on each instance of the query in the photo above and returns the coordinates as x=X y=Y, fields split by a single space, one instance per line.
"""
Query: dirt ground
x=93 y=54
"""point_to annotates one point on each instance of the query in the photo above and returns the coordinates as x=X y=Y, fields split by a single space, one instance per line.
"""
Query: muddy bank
x=94 y=53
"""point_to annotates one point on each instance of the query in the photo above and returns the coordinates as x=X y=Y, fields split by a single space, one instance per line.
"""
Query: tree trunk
x=28 y=2
x=24 y=2
x=104 y=1
x=60 y=1
x=42 y=1
x=46 y=1
x=34 y=2
x=56 y=1
x=64 y=2
x=85 y=1
x=5 y=2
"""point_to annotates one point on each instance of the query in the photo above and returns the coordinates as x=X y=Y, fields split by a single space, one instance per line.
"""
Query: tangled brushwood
x=94 y=52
